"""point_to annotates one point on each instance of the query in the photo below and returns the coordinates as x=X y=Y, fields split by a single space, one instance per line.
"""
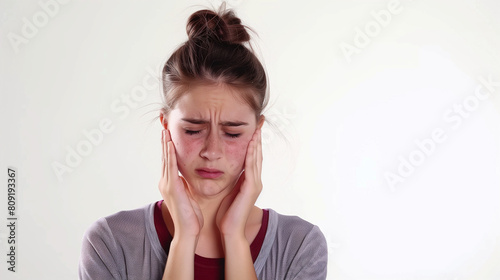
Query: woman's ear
x=163 y=120
x=260 y=123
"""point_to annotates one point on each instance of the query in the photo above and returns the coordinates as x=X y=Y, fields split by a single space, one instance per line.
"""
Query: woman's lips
x=209 y=173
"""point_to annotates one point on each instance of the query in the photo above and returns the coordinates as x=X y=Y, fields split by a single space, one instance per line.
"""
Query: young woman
x=207 y=226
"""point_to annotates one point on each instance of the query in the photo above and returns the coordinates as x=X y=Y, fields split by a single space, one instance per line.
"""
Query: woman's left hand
x=235 y=209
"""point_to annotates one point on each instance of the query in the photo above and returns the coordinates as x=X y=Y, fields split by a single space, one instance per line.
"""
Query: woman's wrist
x=232 y=233
x=238 y=240
x=185 y=241
x=180 y=261
x=238 y=258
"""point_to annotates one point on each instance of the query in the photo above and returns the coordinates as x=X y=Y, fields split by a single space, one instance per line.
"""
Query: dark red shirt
x=207 y=268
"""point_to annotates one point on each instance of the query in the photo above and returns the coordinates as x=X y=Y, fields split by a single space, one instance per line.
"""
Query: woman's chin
x=208 y=188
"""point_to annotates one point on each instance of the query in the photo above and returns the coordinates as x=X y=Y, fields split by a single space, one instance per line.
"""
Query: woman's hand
x=235 y=209
x=234 y=212
x=185 y=214
x=184 y=210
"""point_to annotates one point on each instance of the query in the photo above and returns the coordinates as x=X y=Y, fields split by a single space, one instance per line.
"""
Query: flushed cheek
x=235 y=153
x=186 y=150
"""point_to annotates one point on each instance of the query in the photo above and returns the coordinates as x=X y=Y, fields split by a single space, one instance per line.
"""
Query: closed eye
x=233 y=135
x=192 y=132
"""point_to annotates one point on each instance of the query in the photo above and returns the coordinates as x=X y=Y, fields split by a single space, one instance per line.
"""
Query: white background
x=347 y=120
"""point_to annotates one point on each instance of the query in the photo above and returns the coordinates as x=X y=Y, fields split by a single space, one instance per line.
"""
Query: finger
x=172 y=170
x=254 y=175
x=227 y=201
x=163 y=153
x=168 y=137
x=250 y=157
x=166 y=153
x=186 y=186
x=240 y=181
x=255 y=162
x=165 y=140
x=259 y=152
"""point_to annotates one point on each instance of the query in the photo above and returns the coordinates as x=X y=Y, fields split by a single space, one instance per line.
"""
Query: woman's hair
x=215 y=54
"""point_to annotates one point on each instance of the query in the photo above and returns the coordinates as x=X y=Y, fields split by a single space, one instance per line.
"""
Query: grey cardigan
x=125 y=245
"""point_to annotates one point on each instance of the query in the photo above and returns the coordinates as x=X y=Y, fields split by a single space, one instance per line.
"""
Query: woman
x=207 y=226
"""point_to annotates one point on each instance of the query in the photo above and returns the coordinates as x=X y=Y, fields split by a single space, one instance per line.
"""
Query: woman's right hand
x=184 y=210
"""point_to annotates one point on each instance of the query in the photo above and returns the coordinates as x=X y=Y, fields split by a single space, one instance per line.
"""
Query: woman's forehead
x=203 y=115
x=213 y=101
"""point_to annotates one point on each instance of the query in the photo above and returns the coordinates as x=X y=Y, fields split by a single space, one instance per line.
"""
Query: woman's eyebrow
x=230 y=123
x=224 y=123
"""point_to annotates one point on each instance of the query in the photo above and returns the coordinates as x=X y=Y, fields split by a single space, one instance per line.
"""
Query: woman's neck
x=209 y=241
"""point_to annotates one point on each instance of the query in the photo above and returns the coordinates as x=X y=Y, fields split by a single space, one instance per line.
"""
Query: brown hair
x=215 y=54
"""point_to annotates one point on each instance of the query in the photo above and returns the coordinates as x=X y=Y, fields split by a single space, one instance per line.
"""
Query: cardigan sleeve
x=99 y=253
x=311 y=260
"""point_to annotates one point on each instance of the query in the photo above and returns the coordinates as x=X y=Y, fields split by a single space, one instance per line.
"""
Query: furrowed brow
x=229 y=123
x=195 y=121
x=225 y=123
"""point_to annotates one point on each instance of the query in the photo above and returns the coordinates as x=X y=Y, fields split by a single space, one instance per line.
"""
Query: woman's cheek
x=236 y=153
x=185 y=148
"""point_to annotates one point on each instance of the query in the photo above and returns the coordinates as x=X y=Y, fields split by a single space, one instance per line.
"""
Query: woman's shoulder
x=114 y=244
x=121 y=222
x=292 y=224
x=297 y=245
x=291 y=229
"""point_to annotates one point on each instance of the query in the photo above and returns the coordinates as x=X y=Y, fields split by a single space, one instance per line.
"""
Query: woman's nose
x=212 y=149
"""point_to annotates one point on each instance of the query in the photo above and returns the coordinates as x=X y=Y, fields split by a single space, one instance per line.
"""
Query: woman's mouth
x=209 y=173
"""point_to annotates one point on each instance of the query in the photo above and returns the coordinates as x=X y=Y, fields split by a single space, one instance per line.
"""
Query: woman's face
x=211 y=128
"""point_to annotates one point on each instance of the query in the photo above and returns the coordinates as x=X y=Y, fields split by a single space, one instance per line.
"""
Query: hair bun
x=223 y=26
